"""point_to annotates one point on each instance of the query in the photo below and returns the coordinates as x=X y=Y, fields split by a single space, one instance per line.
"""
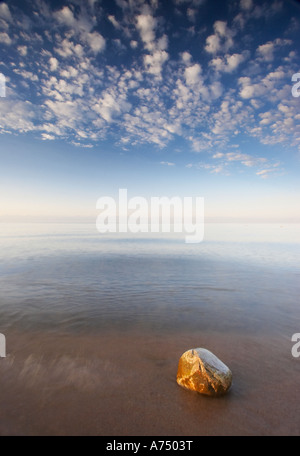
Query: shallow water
x=95 y=326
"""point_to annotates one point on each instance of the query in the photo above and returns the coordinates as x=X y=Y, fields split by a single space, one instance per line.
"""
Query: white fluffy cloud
x=157 y=56
x=222 y=40
x=16 y=115
x=5 y=12
x=110 y=106
x=146 y=25
x=193 y=74
x=213 y=44
x=186 y=57
x=266 y=51
x=80 y=27
x=113 y=20
x=154 y=62
x=4 y=38
x=96 y=41
x=22 y=50
x=66 y=17
x=228 y=63
x=53 y=64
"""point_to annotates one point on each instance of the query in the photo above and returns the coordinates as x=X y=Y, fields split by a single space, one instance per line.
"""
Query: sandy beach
x=124 y=384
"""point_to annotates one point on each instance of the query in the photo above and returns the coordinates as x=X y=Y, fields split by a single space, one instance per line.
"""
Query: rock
x=200 y=370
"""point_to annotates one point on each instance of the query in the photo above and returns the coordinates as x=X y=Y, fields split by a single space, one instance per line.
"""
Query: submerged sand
x=123 y=383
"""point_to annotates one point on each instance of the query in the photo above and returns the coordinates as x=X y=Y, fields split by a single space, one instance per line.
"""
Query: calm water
x=93 y=321
x=71 y=277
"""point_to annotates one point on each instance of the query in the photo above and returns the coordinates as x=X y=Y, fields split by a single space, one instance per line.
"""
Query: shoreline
x=124 y=384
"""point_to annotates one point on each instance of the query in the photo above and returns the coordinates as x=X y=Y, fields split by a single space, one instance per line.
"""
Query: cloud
x=270 y=86
x=78 y=144
x=146 y=25
x=226 y=161
x=67 y=48
x=266 y=51
x=69 y=72
x=114 y=22
x=133 y=44
x=214 y=169
x=218 y=155
x=155 y=93
x=191 y=14
x=47 y=137
x=246 y=5
x=65 y=16
x=26 y=74
x=167 y=163
x=186 y=57
x=157 y=56
x=200 y=144
x=230 y=118
x=110 y=106
x=213 y=44
x=249 y=161
x=22 y=50
x=96 y=42
x=16 y=116
x=222 y=40
x=249 y=89
x=228 y=63
x=65 y=111
x=53 y=64
x=193 y=74
x=265 y=173
x=154 y=62
x=245 y=159
x=81 y=29
x=5 y=12
x=4 y=38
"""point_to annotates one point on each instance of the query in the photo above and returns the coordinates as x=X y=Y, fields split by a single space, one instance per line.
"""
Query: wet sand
x=124 y=384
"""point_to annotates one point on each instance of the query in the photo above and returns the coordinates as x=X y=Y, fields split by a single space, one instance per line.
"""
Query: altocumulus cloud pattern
x=205 y=75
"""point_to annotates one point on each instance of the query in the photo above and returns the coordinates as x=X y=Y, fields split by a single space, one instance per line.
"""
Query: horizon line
x=92 y=220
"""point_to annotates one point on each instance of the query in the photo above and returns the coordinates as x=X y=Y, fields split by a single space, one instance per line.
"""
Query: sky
x=164 y=98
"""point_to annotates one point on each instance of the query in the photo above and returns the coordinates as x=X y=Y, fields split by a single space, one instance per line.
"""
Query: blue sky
x=165 y=98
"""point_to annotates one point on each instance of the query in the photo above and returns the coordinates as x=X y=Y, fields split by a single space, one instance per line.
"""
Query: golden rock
x=200 y=370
